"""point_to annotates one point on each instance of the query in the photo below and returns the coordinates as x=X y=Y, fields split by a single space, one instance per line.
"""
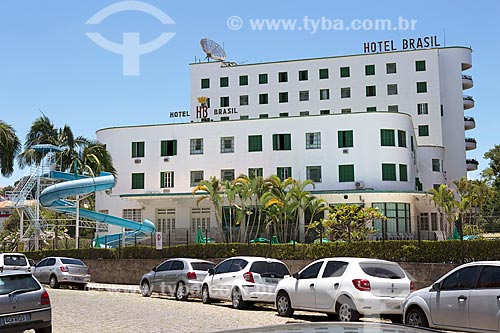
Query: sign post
x=159 y=240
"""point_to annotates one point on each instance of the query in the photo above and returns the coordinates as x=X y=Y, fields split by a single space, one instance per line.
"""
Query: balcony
x=468 y=102
x=469 y=123
x=467 y=82
x=470 y=144
x=471 y=164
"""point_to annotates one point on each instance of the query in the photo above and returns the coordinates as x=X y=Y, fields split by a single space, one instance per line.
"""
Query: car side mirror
x=211 y=271
x=296 y=275
x=436 y=286
x=154 y=269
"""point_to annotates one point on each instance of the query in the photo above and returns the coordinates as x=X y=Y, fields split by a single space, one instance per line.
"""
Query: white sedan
x=346 y=288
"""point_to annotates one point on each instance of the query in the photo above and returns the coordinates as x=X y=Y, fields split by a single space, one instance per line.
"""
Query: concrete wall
x=129 y=271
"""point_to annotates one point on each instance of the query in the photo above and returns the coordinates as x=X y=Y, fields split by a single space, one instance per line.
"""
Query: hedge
x=453 y=251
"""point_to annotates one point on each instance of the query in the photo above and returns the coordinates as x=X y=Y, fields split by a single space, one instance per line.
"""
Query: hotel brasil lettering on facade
x=202 y=110
x=405 y=44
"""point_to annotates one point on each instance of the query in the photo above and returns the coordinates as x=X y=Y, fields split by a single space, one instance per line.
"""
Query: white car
x=465 y=299
x=243 y=280
x=14 y=262
x=346 y=288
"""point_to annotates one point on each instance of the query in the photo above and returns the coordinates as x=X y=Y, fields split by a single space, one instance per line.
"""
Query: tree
x=212 y=190
x=493 y=170
x=10 y=146
x=444 y=199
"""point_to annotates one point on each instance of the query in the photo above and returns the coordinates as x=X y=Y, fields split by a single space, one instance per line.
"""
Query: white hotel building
x=374 y=129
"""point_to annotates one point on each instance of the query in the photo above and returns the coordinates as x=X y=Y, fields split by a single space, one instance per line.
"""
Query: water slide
x=53 y=197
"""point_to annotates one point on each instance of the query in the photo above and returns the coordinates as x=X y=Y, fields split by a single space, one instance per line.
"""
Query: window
x=283 y=97
x=392 y=108
x=243 y=80
x=167 y=179
x=263 y=78
x=168 y=148
x=371 y=91
x=345 y=92
x=314 y=173
x=388 y=171
x=138 y=149
x=133 y=214
x=371 y=109
x=370 y=70
x=243 y=99
x=283 y=114
x=345 y=72
x=392 y=89
x=422 y=108
x=224 y=118
x=489 y=278
x=263 y=116
x=324 y=94
x=401 y=138
x=263 y=99
x=462 y=279
x=345 y=111
x=205 y=83
x=227 y=144
x=224 y=81
x=313 y=140
x=303 y=113
x=423 y=130
x=282 y=142
x=227 y=175
x=137 y=181
x=284 y=172
x=334 y=269
x=303 y=75
x=254 y=143
x=436 y=165
x=420 y=65
x=387 y=137
x=312 y=271
x=403 y=173
x=421 y=87
x=244 y=117
x=224 y=102
x=390 y=68
x=304 y=95
x=196 y=177
x=255 y=172
x=323 y=73
x=196 y=146
x=346 y=173
x=345 y=139
x=283 y=77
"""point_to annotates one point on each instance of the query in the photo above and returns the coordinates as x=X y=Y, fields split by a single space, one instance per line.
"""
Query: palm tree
x=301 y=199
x=212 y=190
x=10 y=146
x=444 y=200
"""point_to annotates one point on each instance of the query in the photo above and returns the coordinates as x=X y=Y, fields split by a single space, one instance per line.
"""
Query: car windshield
x=69 y=261
x=14 y=260
x=270 y=269
x=202 y=266
x=382 y=270
x=18 y=282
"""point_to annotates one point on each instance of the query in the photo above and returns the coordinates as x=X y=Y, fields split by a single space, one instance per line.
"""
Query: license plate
x=77 y=279
x=272 y=281
x=16 y=319
x=392 y=306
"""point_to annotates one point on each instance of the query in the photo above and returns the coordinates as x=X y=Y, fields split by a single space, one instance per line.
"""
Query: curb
x=114 y=288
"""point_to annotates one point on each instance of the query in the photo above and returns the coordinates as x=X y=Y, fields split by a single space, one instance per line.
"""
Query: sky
x=50 y=65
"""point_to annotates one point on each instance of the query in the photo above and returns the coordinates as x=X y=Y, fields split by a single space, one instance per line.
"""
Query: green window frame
x=243 y=80
x=168 y=148
x=369 y=69
x=388 y=171
x=345 y=71
x=420 y=65
x=390 y=68
x=205 y=83
x=283 y=97
x=166 y=179
x=371 y=91
x=196 y=177
x=254 y=143
x=263 y=99
x=387 y=138
x=402 y=138
x=263 y=78
x=255 y=172
x=303 y=75
x=423 y=130
x=313 y=140
x=314 y=173
x=323 y=73
x=137 y=181
x=346 y=173
x=403 y=173
x=436 y=165
x=421 y=87
x=224 y=81
x=282 y=142
x=224 y=101
x=138 y=149
x=284 y=172
x=345 y=139
x=371 y=109
x=282 y=77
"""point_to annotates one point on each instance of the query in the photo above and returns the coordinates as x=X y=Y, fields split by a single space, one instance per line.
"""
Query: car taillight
x=361 y=284
x=63 y=268
x=248 y=277
x=412 y=286
x=191 y=275
x=45 y=300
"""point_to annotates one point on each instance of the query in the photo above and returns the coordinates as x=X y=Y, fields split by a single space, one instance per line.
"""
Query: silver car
x=24 y=304
x=180 y=277
x=58 y=271
x=465 y=299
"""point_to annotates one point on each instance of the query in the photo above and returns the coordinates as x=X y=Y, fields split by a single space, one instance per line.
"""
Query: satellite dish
x=212 y=50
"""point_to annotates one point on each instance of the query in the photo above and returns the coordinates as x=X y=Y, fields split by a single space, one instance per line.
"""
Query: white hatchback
x=243 y=280
x=346 y=288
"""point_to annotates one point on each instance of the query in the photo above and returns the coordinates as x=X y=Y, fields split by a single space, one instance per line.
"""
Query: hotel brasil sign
x=404 y=44
x=202 y=109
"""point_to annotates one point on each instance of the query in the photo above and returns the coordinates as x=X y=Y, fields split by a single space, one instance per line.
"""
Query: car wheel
x=205 y=296
x=416 y=317
x=145 y=289
x=283 y=305
x=346 y=310
x=181 y=293
x=237 y=299
x=53 y=283
x=47 y=329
